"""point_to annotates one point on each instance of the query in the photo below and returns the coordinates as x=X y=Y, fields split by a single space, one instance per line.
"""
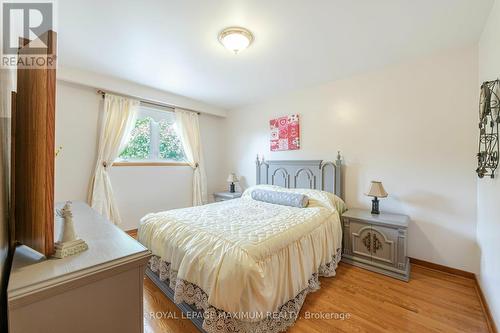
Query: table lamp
x=232 y=179
x=376 y=191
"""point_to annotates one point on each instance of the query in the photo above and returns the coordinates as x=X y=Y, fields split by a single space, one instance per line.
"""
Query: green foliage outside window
x=139 y=144
x=170 y=144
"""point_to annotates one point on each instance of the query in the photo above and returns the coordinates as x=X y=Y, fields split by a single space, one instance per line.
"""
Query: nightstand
x=223 y=196
x=376 y=242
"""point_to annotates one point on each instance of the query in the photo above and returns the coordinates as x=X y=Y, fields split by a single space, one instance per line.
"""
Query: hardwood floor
x=132 y=233
x=432 y=301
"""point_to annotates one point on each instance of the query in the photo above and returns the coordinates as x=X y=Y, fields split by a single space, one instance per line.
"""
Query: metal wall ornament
x=489 y=120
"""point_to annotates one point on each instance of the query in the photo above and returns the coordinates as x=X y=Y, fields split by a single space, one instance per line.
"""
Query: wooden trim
x=34 y=142
x=129 y=164
x=442 y=268
x=486 y=309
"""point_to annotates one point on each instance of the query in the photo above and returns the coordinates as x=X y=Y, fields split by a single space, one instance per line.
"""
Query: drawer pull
x=377 y=244
x=367 y=241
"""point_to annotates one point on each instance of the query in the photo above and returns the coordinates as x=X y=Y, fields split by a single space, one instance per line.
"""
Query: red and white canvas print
x=285 y=133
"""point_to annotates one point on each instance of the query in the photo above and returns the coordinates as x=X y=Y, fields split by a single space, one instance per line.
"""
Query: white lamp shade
x=376 y=190
x=232 y=178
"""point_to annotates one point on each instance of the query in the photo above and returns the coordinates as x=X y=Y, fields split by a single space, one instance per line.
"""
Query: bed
x=245 y=265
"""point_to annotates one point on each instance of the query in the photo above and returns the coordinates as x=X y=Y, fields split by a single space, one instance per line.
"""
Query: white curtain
x=117 y=123
x=189 y=132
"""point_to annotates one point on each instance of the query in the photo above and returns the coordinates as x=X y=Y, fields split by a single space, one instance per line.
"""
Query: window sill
x=126 y=164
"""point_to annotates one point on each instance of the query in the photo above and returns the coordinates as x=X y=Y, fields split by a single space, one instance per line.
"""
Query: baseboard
x=442 y=268
x=486 y=309
x=484 y=305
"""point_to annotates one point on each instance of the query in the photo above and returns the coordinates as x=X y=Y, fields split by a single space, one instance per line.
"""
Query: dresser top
x=108 y=246
x=382 y=218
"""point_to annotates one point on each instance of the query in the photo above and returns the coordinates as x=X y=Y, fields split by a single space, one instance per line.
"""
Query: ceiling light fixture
x=235 y=39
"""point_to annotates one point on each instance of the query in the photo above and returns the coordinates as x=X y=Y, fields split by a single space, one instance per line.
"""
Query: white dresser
x=99 y=290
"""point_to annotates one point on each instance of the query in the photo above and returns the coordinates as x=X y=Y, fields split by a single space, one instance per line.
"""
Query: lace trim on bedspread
x=219 y=321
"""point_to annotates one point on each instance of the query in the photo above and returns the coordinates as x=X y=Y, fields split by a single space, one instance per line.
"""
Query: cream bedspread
x=247 y=256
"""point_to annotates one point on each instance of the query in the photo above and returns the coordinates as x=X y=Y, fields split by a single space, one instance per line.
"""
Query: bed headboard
x=313 y=174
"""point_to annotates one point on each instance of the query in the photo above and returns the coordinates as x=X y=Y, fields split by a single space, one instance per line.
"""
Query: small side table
x=376 y=242
x=223 y=196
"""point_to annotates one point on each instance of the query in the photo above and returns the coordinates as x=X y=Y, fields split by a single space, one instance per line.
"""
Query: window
x=153 y=139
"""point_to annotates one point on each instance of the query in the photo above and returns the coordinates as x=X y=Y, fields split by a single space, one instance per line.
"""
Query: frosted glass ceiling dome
x=235 y=39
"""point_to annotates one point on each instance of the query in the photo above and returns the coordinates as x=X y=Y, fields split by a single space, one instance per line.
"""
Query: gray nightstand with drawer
x=376 y=242
x=223 y=196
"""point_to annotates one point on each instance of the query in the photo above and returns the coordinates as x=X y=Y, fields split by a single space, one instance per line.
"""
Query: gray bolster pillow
x=281 y=198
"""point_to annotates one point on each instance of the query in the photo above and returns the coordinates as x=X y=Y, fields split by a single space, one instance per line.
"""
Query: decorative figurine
x=68 y=242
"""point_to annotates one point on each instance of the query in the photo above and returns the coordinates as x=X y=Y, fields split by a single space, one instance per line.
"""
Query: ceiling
x=172 y=45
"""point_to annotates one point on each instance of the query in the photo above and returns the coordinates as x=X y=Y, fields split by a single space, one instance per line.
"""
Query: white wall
x=138 y=190
x=77 y=112
x=488 y=190
x=112 y=84
x=411 y=126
